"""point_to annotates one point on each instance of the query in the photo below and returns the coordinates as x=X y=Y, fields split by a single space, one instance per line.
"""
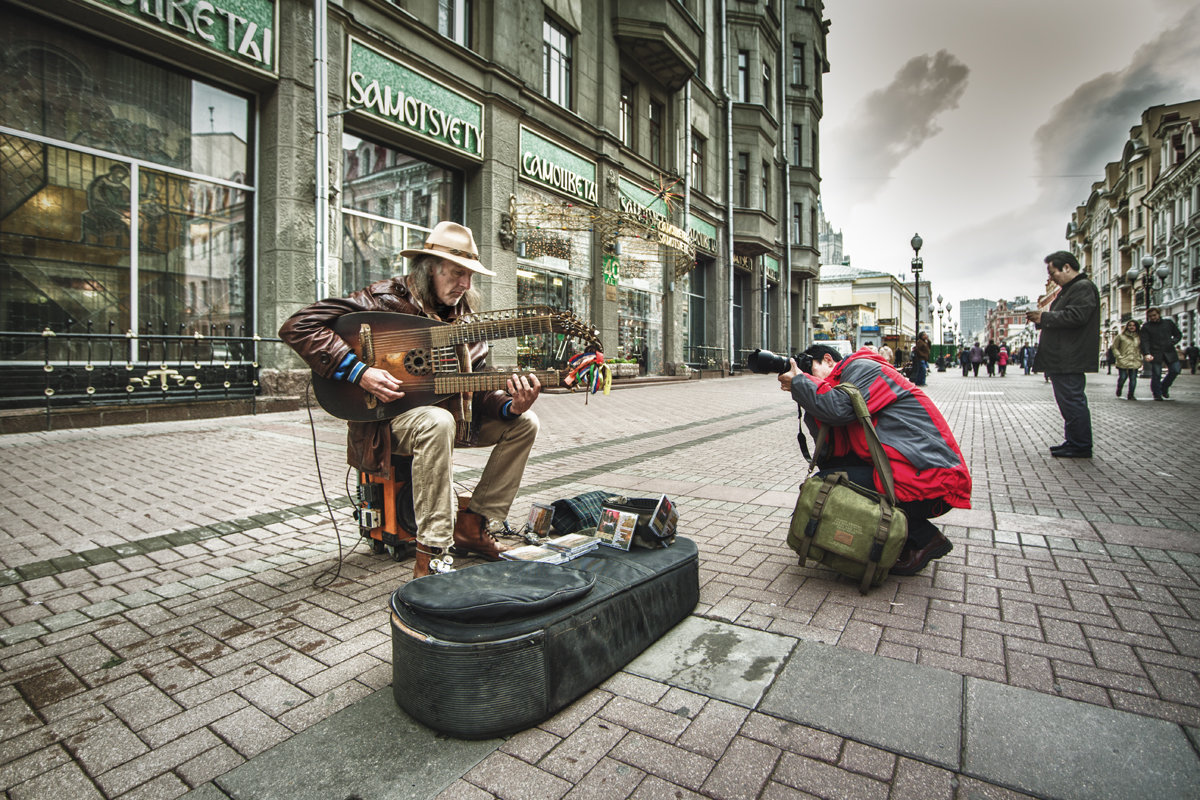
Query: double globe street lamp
x=1149 y=273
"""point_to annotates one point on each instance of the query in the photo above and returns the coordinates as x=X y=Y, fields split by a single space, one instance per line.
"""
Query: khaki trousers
x=427 y=434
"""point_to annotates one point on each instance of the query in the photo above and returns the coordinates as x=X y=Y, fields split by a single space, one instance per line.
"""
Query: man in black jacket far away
x=1159 y=337
x=1068 y=348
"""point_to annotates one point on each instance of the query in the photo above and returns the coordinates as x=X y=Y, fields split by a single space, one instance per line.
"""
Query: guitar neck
x=449 y=335
x=459 y=382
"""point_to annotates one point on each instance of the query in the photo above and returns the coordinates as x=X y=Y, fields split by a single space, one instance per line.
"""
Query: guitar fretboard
x=450 y=335
x=485 y=381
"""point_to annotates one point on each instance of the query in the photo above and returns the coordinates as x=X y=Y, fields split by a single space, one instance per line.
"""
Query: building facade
x=865 y=305
x=972 y=319
x=653 y=167
x=1138 y=233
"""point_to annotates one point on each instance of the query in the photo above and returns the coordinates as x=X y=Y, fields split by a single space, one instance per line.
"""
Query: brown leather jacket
x=309 y=333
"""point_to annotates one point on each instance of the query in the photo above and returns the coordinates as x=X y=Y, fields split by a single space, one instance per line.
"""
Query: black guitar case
x=496 y=648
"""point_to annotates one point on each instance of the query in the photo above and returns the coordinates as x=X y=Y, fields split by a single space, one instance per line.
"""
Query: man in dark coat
x=992 y=351
x=1159 y=337
x=1068 y=348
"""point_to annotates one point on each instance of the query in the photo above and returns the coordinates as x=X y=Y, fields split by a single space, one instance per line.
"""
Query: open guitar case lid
x=496 y=648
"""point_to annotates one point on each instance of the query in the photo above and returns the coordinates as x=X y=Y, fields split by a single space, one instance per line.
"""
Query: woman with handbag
x=929 y=474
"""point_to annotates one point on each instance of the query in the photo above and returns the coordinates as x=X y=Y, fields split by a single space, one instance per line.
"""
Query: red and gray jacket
x=924 y=455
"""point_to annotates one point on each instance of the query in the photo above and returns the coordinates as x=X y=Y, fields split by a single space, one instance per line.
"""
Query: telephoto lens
x=764 y=362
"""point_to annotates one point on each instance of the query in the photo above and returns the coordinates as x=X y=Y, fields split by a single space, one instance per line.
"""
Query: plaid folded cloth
x=576 y=513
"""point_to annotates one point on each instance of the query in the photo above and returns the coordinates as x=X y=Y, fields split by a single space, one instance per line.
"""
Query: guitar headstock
x=568 y=324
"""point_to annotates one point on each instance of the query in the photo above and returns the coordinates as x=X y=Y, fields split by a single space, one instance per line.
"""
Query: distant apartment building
x=1006 y=324
x=851 y=298
x=972 y=318
x=1138 y=233
x=829 y=241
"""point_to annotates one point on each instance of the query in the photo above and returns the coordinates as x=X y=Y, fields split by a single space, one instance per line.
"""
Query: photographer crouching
x=930 y=474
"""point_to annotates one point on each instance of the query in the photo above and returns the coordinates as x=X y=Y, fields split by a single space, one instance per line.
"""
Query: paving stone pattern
x=174 y=599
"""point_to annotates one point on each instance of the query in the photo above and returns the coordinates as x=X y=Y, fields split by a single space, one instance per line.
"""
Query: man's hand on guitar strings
x=523 y=389
x=381 y=383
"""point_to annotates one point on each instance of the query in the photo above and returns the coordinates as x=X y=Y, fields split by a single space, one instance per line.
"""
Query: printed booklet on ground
x=616 y=528
x=665 y=518
x=574 y=544
x=535 y=552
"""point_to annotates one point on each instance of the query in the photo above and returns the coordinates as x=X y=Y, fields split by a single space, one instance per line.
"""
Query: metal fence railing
x=705 y=357
x=72 y=369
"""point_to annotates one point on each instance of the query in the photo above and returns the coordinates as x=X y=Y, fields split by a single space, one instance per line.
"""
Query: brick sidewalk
x=162 y=625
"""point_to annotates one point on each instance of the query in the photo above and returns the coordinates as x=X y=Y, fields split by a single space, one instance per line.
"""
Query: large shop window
x=538 y=288
x=693 y=285
x=390 y=201
x=126 y=193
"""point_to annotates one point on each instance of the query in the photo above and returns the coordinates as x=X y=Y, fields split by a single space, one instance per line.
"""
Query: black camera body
x=764 y=362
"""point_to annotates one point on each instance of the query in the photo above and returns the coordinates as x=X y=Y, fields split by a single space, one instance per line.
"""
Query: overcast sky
x=982 y=125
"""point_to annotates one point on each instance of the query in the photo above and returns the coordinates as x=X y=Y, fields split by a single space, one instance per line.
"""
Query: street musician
x=438 y=286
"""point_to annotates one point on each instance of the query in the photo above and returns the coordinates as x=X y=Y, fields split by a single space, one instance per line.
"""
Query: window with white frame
x=625 y=115
x=743 y=84
x=454 y=20
x=556 y=62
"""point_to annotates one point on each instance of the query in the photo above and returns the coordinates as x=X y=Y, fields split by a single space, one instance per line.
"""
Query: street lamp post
x=917 y=266
x=949 y=308
x=1148 y=274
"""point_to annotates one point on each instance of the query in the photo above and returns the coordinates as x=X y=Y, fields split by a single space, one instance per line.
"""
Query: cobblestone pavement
x=172 y=603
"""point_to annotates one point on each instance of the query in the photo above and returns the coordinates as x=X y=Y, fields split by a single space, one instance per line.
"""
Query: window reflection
x=390 y=200
x=86 y=92
x=104 y=179
x=536 y=288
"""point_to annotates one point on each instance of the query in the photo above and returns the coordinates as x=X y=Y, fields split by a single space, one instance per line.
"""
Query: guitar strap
x=462 y=351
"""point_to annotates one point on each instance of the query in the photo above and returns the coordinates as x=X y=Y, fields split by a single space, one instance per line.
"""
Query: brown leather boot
x=425 y=554
x=471 y=536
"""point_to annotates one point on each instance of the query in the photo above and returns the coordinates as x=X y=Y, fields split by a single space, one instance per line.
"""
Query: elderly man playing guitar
x=438 y=287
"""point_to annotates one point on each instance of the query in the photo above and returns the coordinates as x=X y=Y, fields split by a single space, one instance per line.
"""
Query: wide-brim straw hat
x=453 y=242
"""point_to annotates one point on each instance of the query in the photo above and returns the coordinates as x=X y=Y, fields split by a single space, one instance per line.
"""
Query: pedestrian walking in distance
x=1159 y=337
x=1127 y=353
x=1067 y=348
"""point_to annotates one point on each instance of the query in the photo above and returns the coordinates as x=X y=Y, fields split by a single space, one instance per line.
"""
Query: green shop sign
x=408 y=99
x=544 y=162
x=771 y=264
x=702 y=234
x=612 y=270
x=242 y=30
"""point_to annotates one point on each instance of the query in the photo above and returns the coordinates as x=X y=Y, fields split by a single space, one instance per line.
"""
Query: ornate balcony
x=661 y=37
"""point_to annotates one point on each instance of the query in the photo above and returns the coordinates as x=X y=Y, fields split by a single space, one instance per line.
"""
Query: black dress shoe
x=1054 y=448
x=913 y=560
x=1072 y=452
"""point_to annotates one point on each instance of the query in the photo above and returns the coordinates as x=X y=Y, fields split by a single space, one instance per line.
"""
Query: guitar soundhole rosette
x=417 y=362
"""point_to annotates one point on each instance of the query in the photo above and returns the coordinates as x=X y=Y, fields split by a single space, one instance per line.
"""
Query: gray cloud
x=1084 y=132
x=1088 y=129
x=894 y=121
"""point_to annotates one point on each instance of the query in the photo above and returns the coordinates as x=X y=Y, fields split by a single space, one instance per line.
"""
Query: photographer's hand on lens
x=785 y=378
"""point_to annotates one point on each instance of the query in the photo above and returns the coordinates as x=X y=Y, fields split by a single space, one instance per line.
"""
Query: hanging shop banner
x=405 y=98
x=702 y=234
x=771 y=265
x=240 y=30
x=557 y=168
x=651 y=210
